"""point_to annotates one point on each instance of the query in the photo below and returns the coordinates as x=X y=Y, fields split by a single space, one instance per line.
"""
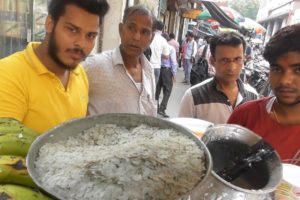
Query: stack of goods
x=15 y=182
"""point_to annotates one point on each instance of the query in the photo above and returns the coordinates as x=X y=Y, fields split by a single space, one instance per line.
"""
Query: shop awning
x=218 y=14
x=191 y=13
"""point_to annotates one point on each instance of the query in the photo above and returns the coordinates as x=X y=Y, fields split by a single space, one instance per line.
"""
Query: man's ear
x=49 y=25
x=120 y=28
x=153 y=34
x=212 y=60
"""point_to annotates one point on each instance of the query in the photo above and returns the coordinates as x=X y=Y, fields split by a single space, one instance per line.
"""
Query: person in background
x=166 y=78
x=214 y=99
x=248 y=53
x=159 y=48
x=211 y=68
x=182 y=51
x=174 y=44
x=44 y=85
x=122 y=80
x=148 y=53
x=189 y=57
x=276 y=119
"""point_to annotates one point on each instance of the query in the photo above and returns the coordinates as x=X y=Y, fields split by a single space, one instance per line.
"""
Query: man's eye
x=146 y=32
x=275 y=69
x=239 y=59
x=297 y=70
x=130 y=27
x=73 y=30
x=91 y=36
x=224 y=60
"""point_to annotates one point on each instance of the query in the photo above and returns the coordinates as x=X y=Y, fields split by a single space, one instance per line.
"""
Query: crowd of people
x=57 y=80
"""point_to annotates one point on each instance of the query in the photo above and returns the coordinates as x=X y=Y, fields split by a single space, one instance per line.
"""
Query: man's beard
x=290 y=104
x=53 y=52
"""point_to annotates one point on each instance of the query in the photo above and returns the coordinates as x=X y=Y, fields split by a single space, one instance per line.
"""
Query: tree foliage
x=247 y=8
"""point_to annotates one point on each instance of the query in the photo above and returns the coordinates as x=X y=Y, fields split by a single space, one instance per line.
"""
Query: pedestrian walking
x=166 y=79
x=159 y=48
x=189 y=57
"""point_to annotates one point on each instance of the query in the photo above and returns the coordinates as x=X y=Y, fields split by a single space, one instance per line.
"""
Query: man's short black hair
x=190 y=33
x=166 y=36
x=285 y=40
x=141 y=10
x=226 y=39
x=172 y=35
x=56 y=8
x=159 y=25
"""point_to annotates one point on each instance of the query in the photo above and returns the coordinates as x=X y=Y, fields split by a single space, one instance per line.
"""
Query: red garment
x=254 y=116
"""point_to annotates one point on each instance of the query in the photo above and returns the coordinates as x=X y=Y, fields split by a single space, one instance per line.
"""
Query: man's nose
x=233 y=64
x=80 y=41
x=286 y=78
x=137 y=35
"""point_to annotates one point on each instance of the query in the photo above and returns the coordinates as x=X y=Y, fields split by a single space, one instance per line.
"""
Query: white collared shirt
x=159 y=46
x=113 y=90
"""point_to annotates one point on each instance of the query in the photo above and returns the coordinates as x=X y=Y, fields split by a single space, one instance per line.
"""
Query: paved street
x=176 y=95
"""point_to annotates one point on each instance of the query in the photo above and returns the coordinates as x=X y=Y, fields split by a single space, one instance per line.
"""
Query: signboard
x=191 y=14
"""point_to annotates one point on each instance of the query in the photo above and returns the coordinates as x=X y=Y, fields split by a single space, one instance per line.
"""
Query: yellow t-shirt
x=32 y=94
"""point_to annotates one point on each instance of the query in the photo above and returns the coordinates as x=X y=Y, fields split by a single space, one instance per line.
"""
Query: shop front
x=21 y=21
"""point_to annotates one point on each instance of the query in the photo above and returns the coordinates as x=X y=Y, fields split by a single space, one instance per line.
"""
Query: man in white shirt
x=159 y=48
x=166 y=79
x=189 y=58
x=122 y=80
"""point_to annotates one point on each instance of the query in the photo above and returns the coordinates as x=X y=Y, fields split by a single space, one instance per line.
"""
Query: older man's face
x=136 y=34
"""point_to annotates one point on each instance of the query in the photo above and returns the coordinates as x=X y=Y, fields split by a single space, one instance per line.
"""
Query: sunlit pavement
x=178 y=90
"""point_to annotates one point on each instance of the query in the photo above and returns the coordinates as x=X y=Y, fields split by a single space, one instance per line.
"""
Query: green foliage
x=247 y=8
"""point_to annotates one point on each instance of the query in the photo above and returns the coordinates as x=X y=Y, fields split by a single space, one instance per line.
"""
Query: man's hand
x=173 y=79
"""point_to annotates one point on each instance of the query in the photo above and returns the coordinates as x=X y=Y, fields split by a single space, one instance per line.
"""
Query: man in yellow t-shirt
x=44 y=85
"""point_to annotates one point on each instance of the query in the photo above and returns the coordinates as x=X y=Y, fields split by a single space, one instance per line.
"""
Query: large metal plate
x=75 y=127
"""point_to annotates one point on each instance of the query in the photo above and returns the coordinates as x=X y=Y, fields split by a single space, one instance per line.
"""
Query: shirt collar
x=117 y=60
x=36 y=63
x=239 y=83
x=117 y=57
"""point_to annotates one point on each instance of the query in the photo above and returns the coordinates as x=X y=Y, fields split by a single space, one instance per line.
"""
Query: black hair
x=159 y=25
x=172 y=35
x=190 y=33
x=285 y=40
x=227 y=39
x=141 y=10
x=166 y=36
x=207 y=38
x=56 y=8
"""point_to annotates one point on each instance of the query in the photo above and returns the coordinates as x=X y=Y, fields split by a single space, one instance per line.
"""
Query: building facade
x=276 y=14
x=22 y=21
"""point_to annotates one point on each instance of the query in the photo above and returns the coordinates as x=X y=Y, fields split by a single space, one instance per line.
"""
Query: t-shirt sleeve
x=13 y=98
x=187 y=108
x=237 y=116
x=91 y=66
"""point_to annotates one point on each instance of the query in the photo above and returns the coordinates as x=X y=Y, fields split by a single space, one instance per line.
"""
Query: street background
x=176 y=95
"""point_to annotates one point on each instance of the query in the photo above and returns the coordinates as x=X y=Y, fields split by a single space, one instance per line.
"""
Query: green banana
x=15 y=144
x=16 y=192
x=10 y=125
x=13 y=170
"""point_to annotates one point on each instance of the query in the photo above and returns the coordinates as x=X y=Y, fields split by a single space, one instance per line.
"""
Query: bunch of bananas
x=15 y=182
